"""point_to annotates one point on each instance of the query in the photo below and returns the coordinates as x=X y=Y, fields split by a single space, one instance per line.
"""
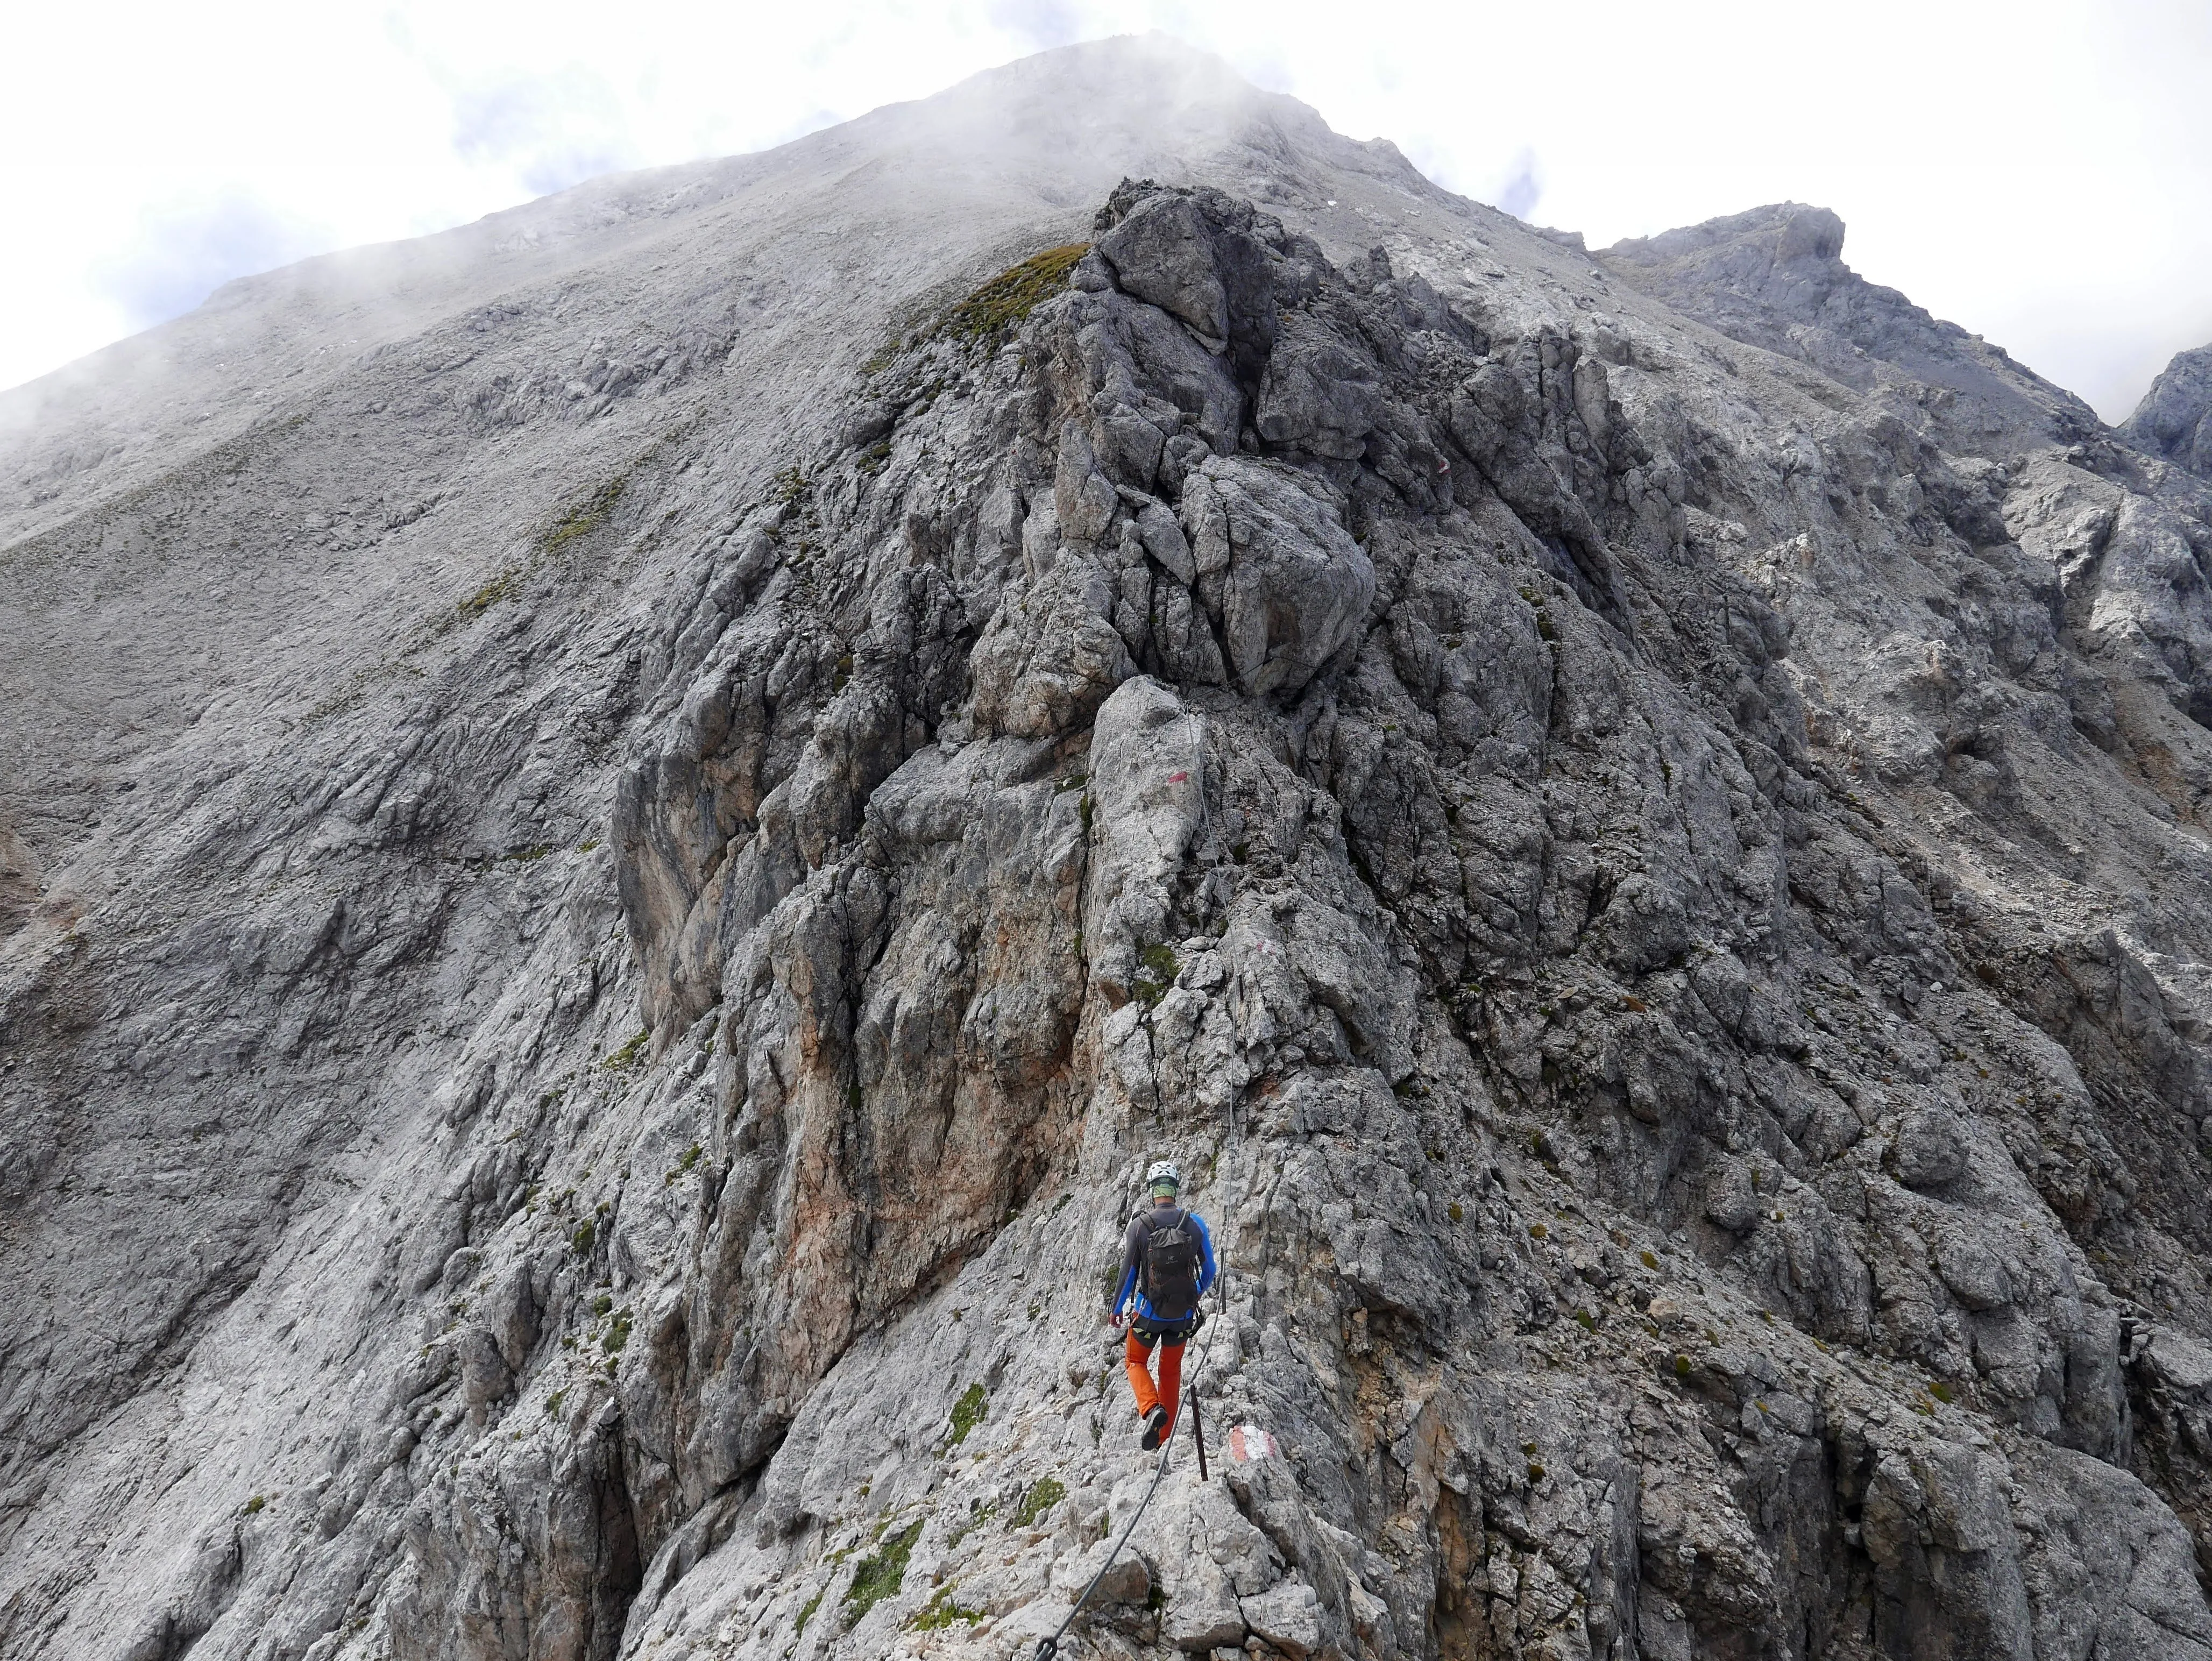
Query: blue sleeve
x=1128 y=1285
x=1205 y=1255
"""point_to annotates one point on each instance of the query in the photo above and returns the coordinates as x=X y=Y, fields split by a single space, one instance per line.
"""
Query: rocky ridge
x=2174 y=419
x=1635 y=820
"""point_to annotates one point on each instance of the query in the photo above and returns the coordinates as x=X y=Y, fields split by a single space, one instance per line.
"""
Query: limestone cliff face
x=607 y=885
x=2174 y=419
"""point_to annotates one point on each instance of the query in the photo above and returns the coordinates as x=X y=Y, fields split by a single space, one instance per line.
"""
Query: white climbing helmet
x=1163 y=1173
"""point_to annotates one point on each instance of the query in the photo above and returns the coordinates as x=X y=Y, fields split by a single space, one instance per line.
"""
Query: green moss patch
x=970 y=1410
x=880 y=1576
x=940 y=1612
x=580 y=521
x=505 y=586
x=1041 y=1497
x=790 y=488
x=1161 y=969
x=1012 y=294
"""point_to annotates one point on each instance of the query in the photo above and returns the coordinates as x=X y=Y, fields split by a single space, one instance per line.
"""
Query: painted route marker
x=1250 y=1442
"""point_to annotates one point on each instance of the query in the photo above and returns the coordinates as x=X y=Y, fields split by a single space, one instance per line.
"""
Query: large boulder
x=1193 y=253
x=1319 y=395
x=1276 y=567
x=1049 y=655
x=1288 y=1616
x=1931 y=1149
x=1148 y=792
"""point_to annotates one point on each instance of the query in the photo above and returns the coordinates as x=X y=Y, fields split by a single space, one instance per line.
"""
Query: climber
x=1167 y=1264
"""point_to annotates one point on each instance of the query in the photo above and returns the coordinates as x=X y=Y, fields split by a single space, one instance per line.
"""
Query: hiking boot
x=1156 y=1428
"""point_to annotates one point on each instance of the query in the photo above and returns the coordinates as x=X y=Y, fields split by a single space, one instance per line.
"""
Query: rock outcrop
x=2174 y=419
x=1775 y=278
x=647 y=859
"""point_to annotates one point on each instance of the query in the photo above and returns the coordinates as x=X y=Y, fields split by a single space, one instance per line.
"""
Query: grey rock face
x=1931 y=1149
x=1275 y=565
x=1775 y=276
x=2174 y=419
x=584 y=1102
x=1191 y=252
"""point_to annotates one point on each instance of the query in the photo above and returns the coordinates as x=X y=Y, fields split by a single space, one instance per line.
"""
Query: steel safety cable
x=1048 y=1647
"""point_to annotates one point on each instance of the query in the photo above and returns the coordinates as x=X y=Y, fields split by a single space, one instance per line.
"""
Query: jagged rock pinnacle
x=2174 y=419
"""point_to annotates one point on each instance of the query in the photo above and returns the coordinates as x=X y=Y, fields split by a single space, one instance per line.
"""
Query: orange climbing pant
x=1136 y=1355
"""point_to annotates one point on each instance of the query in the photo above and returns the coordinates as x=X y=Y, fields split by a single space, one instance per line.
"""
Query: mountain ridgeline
x=622 y=830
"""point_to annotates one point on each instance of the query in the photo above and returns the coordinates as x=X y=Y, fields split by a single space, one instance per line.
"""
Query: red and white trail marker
x=1250 y=1442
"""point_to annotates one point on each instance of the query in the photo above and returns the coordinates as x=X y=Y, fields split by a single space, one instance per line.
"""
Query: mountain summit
x=623 y=830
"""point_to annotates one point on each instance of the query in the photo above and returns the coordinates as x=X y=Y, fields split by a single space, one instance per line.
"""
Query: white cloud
x=2041 y=172
x=183 y=249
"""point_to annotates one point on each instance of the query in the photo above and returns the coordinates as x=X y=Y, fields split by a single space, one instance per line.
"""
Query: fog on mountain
x=623 y=831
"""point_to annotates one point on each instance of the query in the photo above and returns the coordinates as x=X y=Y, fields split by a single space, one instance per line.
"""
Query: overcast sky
x=2040 y=172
